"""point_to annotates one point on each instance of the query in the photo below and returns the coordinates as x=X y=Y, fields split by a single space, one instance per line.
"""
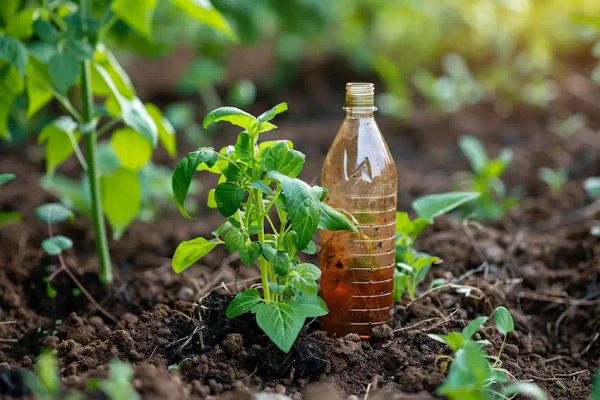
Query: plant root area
x=540 y=261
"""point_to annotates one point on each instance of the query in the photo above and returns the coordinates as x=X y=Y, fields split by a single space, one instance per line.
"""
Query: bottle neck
x=359 y=112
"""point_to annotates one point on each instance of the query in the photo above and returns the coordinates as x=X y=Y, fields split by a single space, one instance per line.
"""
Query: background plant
x=412 y=265
x=258 y=182
x=555 y=179
x=484 y=178
x=6 y=217
x=56 y=50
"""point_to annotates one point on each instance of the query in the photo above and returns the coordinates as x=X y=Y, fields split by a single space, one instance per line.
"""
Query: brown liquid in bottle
x=358 y=268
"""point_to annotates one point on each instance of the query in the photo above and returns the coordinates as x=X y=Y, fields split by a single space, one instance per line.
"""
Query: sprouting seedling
x=44 y=383
x=271 y=217
x=77 y=69
x=471 y=374
x=485 y=179
x=55 y=245
x=118 y=386
x=413 y=265
x=555 y=179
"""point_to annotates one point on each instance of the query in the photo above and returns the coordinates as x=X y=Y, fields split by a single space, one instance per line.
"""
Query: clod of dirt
x=382 y=332
x=233 y=343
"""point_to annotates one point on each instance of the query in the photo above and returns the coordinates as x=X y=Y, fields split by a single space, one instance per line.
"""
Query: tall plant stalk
x=88 y=130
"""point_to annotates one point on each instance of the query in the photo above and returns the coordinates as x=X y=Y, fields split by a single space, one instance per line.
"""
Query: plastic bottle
x=360 y=175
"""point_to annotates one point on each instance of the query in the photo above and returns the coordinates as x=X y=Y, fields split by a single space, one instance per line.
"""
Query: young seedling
x=56 y=50
x=6 y=217
x=413 y=265
x=271 y=217
x=44 y=383
x=471 y=374
x=55 y=245
x=555 y=179
x=485 y=179
x=118 y=386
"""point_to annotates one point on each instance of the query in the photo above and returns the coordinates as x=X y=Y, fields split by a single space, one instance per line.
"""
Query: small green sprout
x=472 y=376
x=555 y=179
x=485 y=179
x=271 y=217
x=118 y=385
x=412 y=265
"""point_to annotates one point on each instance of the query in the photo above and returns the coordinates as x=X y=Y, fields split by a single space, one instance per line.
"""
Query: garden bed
x=539 y=261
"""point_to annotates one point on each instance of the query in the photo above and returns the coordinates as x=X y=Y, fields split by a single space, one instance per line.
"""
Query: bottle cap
x=360 y=94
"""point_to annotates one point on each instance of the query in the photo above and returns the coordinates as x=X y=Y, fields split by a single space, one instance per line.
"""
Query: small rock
x=280 y=389
x=352 y=337
x=129 y=318
x=383 y=332
x=215 y=387
x=185 y=293
x=511 y=349
x=233 y=343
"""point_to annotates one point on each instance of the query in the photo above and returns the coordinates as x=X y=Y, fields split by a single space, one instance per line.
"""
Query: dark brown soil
x=540 y=261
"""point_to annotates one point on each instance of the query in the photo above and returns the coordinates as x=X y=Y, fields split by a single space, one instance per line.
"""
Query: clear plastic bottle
x=360 y=175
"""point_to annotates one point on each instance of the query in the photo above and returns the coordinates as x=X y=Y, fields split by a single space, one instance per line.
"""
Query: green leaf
x=473 y=326
x=249 y=254
x=434 y=205
x=277 y=258
x=190 y=251
x=60 y=138
x=46 y=31
x=13 y=51
x=105 y=59
x=166 y=132
x=6 y=177
x=133 y=111
x=64 y=68
x=243 y=147
x=270 y=114
x=303 y=207
x=281 y=322
x=20 y=26
x=232 y=115
x=400 y=285
x=243 y=302
x=56 y=244
x=504 y=321
x=333 y=220
x=527 y=389
x=410 y=228
x=182 y=175
x=592 y=186
x=468 y=375
x=282 y=159
x=136 y=13
x=313 y=306
x=122 y=197
x=39 y=86
x=454 y=340
x=11 y=84
x=229 y=198
x=204 y=12
x=304 y=277
x=474 y=151
x=52 y=213
x=8 y=9
x=131 y=148
x=235 y=239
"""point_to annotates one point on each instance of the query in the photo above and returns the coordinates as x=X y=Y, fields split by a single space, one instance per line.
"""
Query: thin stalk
x=89 y=133
x=263 y=264
x=501 y=350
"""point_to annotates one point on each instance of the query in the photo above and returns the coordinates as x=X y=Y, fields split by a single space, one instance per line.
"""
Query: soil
x=540 y=261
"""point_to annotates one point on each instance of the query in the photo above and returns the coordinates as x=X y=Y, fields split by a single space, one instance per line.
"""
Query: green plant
x=555 y=179
x=472 y=376
x=7 y=217
x=412 y=265
x=118 y=385
x=485 y=179
x=44 y=381
x=258 y=181
x=595 y=394
x=57 y=50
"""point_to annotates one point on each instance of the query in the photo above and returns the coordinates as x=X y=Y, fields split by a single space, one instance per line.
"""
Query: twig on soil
x=561 y=377
x=556 y=299
x=416 y=324
x=9 y=340
x=214 y=283
x=8 y=322
x=367 y=393
x=589 y=345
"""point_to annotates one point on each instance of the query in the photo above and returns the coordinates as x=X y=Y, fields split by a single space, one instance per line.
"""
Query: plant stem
x=88 y=130
x=501 y=349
